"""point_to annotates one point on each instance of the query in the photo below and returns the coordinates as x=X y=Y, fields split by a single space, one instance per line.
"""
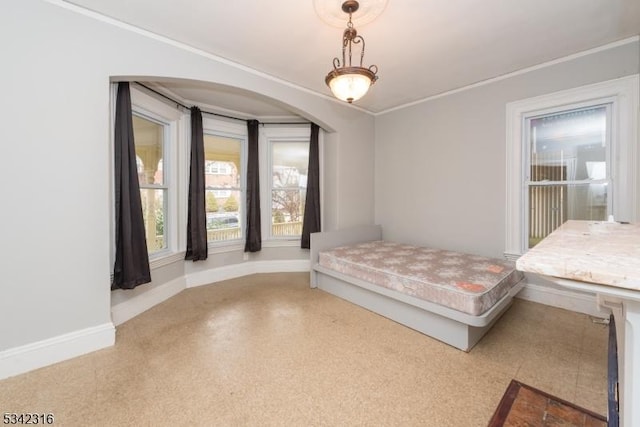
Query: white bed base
x=458 y=329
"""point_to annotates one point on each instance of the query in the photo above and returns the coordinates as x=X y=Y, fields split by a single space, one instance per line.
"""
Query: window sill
x=281 y=243
x=223 y=247
x=167 y=259
x=219 y=247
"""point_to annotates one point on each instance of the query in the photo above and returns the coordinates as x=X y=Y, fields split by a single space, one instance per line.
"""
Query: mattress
x=467 y=283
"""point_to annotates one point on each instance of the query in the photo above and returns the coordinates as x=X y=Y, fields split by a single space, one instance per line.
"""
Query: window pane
x=290 y=161
x=153 y=212
x=550 y=206
x=287 y=212
x=569 y=146
x=223 y=216
x=223 y=195
x=148 y=136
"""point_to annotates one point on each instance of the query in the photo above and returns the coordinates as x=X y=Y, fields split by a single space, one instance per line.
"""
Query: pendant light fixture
x=347 y=82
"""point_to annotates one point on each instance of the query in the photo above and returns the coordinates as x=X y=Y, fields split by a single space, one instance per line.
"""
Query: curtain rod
x=180 y=104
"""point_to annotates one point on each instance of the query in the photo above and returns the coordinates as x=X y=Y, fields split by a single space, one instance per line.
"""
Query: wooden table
x=602 y=258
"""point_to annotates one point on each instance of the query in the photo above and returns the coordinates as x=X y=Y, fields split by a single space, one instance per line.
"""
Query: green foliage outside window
x=231 y=205
x=211 y=202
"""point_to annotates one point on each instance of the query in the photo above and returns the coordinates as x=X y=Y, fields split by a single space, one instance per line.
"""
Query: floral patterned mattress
x=468 y=283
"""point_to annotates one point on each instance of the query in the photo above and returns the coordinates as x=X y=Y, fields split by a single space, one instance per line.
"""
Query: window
x=149 y=136
x=158 y=130
x=224 y=194
x=285 y=152
x=566 y=168
x=571 y=155
x=288 y=186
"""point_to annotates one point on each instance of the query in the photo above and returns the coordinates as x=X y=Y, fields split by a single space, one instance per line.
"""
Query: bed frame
x=458 y=329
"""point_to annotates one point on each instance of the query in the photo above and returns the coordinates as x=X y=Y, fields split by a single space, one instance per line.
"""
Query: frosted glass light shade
x=350 y=83
x=350 y=87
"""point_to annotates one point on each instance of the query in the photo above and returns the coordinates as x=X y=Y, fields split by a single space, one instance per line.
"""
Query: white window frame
x=174 y=159
x=273 y=134
x=236 y=130
x=623 y=94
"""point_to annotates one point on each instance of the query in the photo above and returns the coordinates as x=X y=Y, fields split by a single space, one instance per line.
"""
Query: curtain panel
x=311 y=219
x=197 y=249
x=253 y=241
x=131 y=267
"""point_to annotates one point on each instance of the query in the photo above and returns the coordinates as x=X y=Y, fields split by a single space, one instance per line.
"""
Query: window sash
x=293 y=229
x=220 y=129
x=158 y=244
x=548 y=203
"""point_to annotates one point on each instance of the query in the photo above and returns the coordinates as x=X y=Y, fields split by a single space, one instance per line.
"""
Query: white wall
x=440 y=165
x=54 y=167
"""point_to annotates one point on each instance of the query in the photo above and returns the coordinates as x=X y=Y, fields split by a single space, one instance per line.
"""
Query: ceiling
x=421 y=47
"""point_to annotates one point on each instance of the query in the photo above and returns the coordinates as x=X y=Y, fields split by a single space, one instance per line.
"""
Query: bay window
x=162 y=156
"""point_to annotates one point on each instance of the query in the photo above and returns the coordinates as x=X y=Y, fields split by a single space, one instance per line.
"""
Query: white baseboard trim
x=252 y=267
x=562 y=298
x=19 y=360
x=138 y=304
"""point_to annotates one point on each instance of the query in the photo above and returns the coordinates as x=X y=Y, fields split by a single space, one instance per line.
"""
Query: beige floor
x=267 y=350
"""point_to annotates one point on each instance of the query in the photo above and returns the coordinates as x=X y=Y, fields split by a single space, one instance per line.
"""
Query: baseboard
x=562 y=298
x=36 y=355
x=244 y=269
x=138 y=304
x=19 y=360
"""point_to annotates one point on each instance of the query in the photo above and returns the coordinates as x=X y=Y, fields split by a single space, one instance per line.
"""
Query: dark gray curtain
x=254 y=235
x=131 y=266
x=197 y=216
x=311 y=220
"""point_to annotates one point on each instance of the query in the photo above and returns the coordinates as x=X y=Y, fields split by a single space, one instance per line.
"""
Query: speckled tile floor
x=267 y=350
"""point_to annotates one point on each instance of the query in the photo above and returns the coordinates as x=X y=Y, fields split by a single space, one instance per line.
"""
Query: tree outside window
x=290 y=161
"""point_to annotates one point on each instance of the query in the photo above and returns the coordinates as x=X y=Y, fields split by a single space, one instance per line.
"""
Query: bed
x=450 y=296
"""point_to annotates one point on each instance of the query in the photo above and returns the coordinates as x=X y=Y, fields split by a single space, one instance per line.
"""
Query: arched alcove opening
x=226 y=100
x=170 y=273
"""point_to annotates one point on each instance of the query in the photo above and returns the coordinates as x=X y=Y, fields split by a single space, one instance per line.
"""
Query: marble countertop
x=606 y=253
